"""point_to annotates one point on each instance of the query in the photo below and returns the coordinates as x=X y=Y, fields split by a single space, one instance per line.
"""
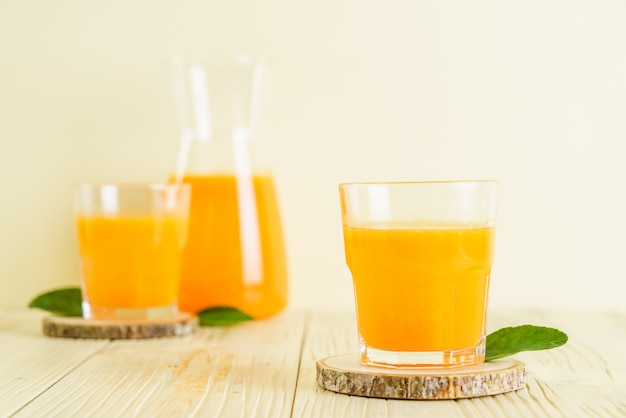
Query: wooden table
x=267 y=369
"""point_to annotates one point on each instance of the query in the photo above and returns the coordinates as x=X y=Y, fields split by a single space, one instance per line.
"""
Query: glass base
x=99 y=312
x=468 y=356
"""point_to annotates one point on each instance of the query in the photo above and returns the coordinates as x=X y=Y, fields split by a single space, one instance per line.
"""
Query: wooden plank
x=584 y=378
x=31 y=363
x=587 y=376
x=246 y=370
x=250 y=370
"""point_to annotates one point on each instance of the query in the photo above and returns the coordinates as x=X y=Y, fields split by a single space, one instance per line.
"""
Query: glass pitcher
x=235 y=254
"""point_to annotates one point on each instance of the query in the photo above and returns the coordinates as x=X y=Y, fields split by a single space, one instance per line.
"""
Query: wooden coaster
x=73 y=327
x=345 y=374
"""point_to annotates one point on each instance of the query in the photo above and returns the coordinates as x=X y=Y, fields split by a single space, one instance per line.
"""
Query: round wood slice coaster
x=73 y=327
x=345 y=374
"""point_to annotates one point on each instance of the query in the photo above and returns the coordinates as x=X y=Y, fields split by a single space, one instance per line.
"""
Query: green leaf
x=513 y=340
x=64 y=302
x=222 y=316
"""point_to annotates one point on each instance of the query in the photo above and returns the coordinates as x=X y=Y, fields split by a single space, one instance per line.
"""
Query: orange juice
x=235 y=253
x=130 y=262
x=420 y=288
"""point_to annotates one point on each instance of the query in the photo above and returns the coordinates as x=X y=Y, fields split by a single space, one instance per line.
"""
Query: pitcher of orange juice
x=235 y=254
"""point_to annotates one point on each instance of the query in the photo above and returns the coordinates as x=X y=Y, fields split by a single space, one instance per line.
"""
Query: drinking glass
x=420 y=254
x=130 y=237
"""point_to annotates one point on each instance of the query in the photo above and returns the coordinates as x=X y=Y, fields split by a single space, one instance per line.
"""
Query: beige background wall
x=532 y=93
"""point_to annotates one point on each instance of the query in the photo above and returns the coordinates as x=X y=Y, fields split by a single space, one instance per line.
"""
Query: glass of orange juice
x=130 y=238
x=420 y=254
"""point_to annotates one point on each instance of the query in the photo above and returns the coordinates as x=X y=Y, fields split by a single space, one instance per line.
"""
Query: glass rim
x=418 y=182
x=152 y=185
x=217 y=59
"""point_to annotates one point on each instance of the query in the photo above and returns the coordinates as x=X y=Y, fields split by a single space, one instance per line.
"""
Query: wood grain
x=584 y=378
x=268 y=369
x=30 y=364
x=246 y=370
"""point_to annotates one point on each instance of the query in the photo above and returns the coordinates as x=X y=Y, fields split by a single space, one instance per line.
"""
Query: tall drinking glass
x=130 y=238
x=420 y=254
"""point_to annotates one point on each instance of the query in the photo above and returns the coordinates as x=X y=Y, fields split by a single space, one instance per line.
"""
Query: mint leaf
x=513 y=340
x=222 y=316
x=68 y=302
x=64 y=302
